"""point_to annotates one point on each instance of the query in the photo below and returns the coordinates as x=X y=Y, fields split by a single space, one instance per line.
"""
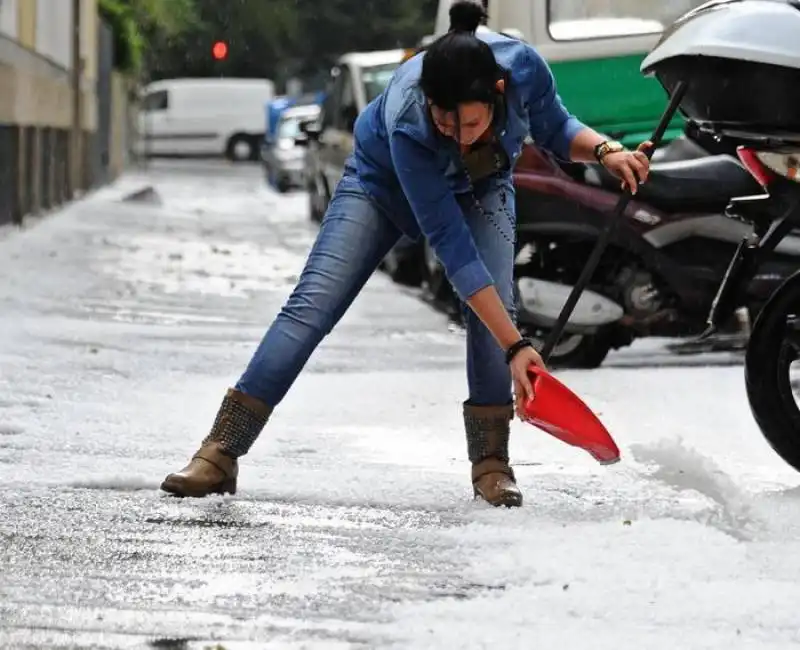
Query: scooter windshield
x=703 y=9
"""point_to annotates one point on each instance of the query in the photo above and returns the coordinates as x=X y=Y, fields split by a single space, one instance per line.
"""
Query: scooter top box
x=741 y=59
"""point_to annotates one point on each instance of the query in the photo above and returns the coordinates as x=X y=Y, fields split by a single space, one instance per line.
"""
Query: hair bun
x=466 y=15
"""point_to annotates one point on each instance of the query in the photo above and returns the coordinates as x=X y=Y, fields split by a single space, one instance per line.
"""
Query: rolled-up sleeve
x=551 y=124
x=438 y=213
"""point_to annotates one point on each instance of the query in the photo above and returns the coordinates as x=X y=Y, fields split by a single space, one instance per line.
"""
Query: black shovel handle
x=605 y=235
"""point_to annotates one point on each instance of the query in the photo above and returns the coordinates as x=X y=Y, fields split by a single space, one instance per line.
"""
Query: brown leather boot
x=214 y=468
x=488 y=429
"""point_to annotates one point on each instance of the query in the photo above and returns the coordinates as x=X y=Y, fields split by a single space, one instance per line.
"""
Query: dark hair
x=459 y=67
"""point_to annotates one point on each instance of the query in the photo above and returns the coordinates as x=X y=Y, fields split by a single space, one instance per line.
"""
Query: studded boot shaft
x=239 y=422
x=214 y=469
x=488 y=430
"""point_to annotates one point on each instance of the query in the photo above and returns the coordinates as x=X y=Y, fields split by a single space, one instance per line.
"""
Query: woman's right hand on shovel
x=487 y=305
x=523 y=389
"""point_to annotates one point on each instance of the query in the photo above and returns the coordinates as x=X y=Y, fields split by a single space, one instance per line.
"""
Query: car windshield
x=571 y=20
x=289 y=127
x=376 y=78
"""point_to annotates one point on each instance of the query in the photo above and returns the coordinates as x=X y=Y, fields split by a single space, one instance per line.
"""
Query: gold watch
x=605 y=148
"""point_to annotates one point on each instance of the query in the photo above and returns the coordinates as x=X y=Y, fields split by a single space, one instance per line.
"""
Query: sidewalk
x=121 y=325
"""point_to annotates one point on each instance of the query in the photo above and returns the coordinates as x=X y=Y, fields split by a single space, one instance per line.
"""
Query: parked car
x=283 y=157
x=356 y=80
x=204 y=117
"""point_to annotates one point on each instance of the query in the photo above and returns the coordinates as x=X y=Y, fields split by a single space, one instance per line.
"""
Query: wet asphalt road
x=121 y=320
x=121 y=325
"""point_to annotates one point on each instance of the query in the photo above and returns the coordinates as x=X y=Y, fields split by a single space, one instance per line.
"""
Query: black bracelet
x=514 y=349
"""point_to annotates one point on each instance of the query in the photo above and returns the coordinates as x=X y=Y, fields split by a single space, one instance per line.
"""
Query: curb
x=146 y=194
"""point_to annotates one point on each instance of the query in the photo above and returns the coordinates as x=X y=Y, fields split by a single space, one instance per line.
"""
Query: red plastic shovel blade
x=561 y=413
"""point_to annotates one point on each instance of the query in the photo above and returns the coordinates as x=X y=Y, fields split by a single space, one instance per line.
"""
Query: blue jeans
x=353 y=239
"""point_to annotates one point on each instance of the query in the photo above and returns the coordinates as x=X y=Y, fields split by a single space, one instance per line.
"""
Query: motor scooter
x=664 y=262
x=732 y=67
x=663 y=265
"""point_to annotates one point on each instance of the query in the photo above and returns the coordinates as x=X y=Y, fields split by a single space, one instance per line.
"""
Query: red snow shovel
x=555 y=409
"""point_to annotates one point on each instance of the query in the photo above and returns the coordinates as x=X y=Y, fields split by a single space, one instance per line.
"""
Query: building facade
x=45 y=27
x=8 y=18
x=37 y=102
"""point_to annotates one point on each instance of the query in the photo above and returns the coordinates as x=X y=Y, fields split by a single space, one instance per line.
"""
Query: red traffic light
x=220 y=50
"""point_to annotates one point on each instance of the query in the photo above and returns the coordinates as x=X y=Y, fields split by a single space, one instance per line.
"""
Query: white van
x=194 y=117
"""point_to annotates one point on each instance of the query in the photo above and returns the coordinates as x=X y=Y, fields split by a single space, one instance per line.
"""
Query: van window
x=156 y=101
x=577 y=20
x=376 y=78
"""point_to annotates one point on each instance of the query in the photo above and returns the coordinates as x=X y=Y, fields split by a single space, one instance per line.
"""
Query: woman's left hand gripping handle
x=523 y=389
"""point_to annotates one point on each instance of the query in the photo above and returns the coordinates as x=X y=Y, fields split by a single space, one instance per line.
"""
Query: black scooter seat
x=700 y=184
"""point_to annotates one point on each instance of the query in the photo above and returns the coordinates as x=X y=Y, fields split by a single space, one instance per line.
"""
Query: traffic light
x=220 y=50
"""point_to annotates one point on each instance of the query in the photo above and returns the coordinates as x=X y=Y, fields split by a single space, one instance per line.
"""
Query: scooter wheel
x=436 y=286
x=576 y=351
x=773 y=346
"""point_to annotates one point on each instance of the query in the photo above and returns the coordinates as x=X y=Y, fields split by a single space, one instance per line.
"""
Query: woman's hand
x=523 y=390
x=632 y=167
x=487 y=305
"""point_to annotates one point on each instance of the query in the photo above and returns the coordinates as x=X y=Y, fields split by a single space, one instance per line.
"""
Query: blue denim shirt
x=413 y=175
